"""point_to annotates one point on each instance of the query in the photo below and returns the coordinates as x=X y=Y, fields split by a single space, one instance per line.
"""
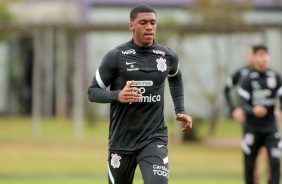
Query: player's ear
x=131 y=26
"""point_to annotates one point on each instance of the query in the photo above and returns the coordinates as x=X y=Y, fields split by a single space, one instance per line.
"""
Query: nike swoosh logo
x=129 y=63
x=159 y=146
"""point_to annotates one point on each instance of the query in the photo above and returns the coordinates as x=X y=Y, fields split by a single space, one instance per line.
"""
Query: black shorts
x=152 y=161
x=254 y=139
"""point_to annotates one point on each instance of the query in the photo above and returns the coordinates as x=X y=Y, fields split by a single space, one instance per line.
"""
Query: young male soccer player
x=136 y=72
x=258 y=92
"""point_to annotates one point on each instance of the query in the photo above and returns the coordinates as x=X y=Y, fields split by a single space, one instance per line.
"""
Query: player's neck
x=144 y=45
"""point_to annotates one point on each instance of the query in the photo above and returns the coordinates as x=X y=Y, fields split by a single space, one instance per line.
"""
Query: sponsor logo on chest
x=263 y=97
x=142 y=85
x=131 y=66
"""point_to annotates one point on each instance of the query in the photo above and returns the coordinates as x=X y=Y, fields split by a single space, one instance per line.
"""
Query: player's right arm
x=236 y=112
x=105 y=75
x=97 y=91
x=230 y=83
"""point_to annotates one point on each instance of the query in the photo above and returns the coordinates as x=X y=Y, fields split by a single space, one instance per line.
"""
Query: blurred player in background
x=237 y=112
x=258 y=91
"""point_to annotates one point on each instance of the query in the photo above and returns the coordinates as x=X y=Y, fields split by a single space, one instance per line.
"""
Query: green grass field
x=56 y=158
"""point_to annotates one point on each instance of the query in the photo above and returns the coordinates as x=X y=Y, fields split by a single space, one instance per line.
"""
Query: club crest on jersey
x=115 y=160
x=161 y=64
x=271 y=82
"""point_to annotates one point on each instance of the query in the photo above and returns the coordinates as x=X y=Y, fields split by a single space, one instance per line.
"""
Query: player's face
x=261 y=59
x=144 y=28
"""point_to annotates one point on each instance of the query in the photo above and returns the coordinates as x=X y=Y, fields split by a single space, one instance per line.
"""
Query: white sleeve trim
x=243 y=93
x=279 y=92
x=175 y=72
x=99 y=80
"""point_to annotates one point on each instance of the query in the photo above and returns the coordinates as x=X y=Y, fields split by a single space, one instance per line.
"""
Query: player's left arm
x=177 y=93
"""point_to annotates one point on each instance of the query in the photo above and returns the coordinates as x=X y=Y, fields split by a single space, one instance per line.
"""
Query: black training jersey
x=132 y=126
x=260 y=89
x=231 y=82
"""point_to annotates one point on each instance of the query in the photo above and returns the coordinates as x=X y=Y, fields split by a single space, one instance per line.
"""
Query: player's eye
x=142 y=22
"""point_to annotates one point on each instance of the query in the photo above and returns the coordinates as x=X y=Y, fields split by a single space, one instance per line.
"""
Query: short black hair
x=256 y=48
x=141 y=8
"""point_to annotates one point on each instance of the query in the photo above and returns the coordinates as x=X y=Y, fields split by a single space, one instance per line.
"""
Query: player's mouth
x=149 y=35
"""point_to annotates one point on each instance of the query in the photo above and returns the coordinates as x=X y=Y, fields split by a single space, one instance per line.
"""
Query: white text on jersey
x=159 y=52
x=131 y=51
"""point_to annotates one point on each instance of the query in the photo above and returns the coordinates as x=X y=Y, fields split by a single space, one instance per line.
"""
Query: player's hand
x=185 y=119
x=259 y=111
x=128 y=94
x=238 y=114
